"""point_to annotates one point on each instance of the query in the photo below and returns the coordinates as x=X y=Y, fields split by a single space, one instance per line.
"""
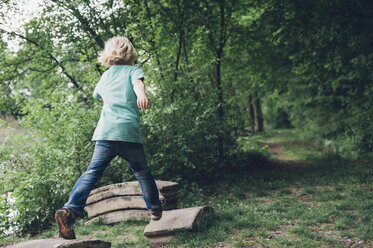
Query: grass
x=308 y=198
x=124 y=234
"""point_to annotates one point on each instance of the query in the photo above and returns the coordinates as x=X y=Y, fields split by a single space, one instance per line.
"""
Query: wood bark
x=254 y=109
x=258 y=114
x=250 y=109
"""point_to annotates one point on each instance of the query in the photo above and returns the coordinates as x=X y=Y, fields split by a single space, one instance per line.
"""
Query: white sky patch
x=21 y=12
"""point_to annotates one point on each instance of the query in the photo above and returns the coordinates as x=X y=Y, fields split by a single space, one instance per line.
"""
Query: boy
x=117 y=133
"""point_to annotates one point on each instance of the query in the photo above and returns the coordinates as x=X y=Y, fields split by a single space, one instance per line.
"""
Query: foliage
x=329 y=84
x=308 y=62
x=252 y=144
x=36 y=173
x=187 y=131
x=327 y=203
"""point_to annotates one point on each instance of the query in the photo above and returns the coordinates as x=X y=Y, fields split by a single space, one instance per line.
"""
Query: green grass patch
x=321 y=202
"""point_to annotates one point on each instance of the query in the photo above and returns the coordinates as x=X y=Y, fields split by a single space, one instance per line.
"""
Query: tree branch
x=146 y=60
x=152 y=40
x=75 y=12
x=64 y=71
x=46 y=70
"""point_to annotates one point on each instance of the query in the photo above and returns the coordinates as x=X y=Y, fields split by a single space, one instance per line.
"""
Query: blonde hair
x=118 y=51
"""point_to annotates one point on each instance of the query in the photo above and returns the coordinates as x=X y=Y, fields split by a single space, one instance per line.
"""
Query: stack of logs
x=123 y=201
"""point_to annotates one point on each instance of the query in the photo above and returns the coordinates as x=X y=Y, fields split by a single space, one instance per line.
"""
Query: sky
x=14 y=20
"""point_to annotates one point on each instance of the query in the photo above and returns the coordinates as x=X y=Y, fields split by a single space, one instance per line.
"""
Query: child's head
x=118 y=51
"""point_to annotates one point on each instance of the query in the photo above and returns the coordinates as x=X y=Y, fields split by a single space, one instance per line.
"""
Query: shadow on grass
x=293 y=199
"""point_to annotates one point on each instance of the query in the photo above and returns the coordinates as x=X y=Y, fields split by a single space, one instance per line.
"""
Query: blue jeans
x=104 y=152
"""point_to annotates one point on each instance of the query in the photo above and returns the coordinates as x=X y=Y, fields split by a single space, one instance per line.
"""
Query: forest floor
x=304 y=196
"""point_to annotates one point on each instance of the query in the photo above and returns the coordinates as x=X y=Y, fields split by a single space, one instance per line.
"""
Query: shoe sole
x=158 y=216
x=65 y=231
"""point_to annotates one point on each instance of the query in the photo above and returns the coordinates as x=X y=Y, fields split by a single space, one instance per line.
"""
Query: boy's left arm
x=142 y=100
x=96 y=94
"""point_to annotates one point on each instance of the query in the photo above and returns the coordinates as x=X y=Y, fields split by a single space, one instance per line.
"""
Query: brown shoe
x=156 y=214
x=65 y=221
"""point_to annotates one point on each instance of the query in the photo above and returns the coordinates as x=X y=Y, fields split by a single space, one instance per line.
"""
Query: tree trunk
x=221 y=104
x=250 y=110
x=258 y=114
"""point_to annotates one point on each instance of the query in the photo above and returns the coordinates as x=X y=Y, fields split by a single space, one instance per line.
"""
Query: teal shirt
x=119 y=118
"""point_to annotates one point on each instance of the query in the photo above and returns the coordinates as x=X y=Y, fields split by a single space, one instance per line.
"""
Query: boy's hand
x=143 y=102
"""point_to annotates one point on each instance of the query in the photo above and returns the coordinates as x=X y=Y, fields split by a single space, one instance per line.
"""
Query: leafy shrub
x=40 y=167
x=252 y=145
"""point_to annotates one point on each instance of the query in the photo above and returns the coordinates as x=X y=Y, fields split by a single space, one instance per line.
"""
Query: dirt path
x=275 y=149
x=286 y=149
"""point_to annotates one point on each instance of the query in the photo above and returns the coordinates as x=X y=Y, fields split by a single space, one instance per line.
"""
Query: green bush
x=41 y=166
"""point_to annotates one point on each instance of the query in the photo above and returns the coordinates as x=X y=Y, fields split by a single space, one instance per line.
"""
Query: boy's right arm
x=142 y=100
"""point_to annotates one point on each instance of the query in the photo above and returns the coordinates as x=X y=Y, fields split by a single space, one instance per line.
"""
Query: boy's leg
x=104 y=152
x=135 y=156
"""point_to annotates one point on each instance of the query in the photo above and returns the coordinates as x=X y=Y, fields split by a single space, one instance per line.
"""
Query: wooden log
x=175 y=220
x=121 y=215
x=113 y=204
x=121 y=203
x=166 y=189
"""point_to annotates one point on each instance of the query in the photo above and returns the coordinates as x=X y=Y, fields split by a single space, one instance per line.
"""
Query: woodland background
x=217 y=73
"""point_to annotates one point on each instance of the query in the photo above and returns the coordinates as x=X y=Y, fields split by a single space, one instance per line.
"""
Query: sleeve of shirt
x=96 y=94
x=137 y=73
